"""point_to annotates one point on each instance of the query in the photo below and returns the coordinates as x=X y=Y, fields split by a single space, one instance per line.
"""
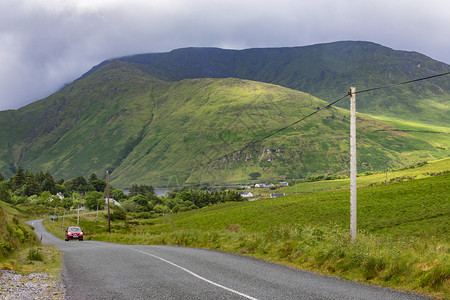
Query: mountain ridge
x=323 y=70
x=147 y=130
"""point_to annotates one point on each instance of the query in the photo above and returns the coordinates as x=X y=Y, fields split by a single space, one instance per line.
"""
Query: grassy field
x=373 y=178
x=402 y=242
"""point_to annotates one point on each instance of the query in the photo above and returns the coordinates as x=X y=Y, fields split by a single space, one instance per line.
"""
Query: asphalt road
x=98 y=270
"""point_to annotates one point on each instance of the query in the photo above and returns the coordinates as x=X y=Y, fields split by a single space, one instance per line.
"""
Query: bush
x=35 y=254
x=5 y=248
x=118 y=214
x=145 y=215
x=159 y=209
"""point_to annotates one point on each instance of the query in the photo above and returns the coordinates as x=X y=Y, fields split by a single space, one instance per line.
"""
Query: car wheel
x=80 y=239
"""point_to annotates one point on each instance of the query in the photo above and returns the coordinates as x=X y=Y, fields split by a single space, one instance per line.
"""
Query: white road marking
x=196 y=275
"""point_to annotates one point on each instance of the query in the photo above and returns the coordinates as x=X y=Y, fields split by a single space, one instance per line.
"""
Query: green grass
x=403 y=237
x=430 y=169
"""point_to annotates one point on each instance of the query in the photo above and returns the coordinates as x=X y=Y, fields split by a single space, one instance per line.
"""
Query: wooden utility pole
x=353 y=210
x=107 y=197
x=64 y=216
x=387 y=182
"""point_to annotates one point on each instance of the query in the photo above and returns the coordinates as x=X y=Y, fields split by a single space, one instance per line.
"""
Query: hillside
x=148 y=131
x=325 y=71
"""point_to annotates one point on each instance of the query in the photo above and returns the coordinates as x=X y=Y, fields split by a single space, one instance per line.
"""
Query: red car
x=74 y=233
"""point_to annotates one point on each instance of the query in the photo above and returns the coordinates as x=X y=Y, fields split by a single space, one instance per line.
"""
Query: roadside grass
x=20 y=249
x=402 y=242
x=35 y=259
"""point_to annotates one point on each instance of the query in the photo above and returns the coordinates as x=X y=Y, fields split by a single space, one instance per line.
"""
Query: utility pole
x=353 y=210
x=64 y=216
x=107 y=196
x=387 y=182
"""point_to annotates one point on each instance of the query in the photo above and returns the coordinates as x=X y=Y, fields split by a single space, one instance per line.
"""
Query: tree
x=129 y=205
x=161 y=209
x=141 y=201
x=17 y=180
x=254 y=175
x=141 y=189
x=32 y=186
x=48 y=183
x=118 y=194
x=77 y=200
x=45 y=198
x=5 y=192
x=118 y=213
x=95 y=200
x=59 y=188
x=92 y=177
x=97 y=184
x=40 y=177
x=2 y=178
x=67 y=202
x=77 y=184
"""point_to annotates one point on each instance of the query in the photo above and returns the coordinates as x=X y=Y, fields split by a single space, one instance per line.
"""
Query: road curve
x=98 y=270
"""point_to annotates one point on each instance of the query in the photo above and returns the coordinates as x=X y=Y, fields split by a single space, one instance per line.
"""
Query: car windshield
x=74 y=229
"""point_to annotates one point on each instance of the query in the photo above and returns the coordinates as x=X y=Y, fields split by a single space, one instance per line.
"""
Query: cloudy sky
x=47 y=43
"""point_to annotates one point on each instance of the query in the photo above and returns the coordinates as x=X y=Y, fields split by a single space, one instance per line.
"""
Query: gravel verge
x=34 y=286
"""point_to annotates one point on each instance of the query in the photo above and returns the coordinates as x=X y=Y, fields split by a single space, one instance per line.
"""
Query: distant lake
x=158 y=191
x=161 y=191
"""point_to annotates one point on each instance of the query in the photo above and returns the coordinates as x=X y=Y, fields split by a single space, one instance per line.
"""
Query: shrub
x=118 y=214
x=35 y=254
x=145 y=215
x=5 y=248
x=159 y=209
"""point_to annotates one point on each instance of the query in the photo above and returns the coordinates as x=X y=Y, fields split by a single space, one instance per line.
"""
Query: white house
x=264 y=186
x=111 y=201
x=246 y=194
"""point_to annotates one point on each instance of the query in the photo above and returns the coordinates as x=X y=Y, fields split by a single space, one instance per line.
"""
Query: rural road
x=98 y=270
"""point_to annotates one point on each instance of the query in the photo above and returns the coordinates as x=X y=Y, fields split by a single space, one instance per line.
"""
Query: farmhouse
x=246 y=194
x=111 y=201
x=265 y=186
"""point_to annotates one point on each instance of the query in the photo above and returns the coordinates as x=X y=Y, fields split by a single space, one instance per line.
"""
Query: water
x=161 y=191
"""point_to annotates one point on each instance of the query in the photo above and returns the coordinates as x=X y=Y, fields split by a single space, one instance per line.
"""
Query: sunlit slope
x=325 y=71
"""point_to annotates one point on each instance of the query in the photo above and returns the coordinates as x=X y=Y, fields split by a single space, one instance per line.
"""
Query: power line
x=310 y=115
x=401 y=83
x=331 y=104
x=320 y=109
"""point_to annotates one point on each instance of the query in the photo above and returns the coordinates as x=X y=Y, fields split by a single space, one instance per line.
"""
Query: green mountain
x=148 y=131
x=325 y=71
